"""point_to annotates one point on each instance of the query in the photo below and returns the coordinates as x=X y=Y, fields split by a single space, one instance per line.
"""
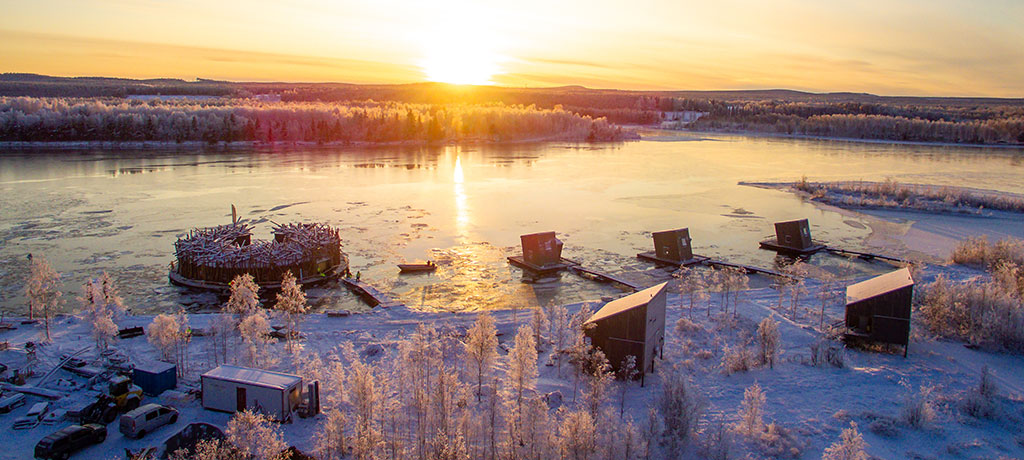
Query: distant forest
x=33 y=119
x=847 y=115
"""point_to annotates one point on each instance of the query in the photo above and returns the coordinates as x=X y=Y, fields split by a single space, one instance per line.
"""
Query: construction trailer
x=234 y=388
x=632 y=325
x=878 y=309
x=155 y=377
x=793 y=237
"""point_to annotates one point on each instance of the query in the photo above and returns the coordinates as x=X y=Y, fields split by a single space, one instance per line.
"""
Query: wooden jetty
x=603 y=277
x=864 y=255
x=370 y=294
x=750 y=269
x=651 y=256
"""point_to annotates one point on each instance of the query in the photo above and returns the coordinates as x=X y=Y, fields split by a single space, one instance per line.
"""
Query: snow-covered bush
x=979 y=311
x=917 y=410
x=769 y=340
x=851 y=446
x=980 y=401
x=209 y=449
x=256 y=436
x=738 y=359
x=717 y=441
x=978 y=251
x=778 y=442
x=825 y=353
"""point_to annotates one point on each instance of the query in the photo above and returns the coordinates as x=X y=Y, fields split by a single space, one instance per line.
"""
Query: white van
x=145 y=419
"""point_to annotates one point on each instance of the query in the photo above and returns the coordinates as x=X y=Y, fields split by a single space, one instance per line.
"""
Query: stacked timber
x=216 y=255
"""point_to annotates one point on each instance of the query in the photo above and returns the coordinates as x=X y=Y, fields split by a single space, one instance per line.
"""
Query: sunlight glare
x=458 y=48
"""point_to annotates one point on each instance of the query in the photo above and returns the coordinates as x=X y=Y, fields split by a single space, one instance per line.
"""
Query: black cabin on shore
x=633 y=325
x=541 y=249
x=878 y=309
x=673 y=245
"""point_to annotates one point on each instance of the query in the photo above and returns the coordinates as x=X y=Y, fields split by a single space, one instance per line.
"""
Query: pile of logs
x=218 y=254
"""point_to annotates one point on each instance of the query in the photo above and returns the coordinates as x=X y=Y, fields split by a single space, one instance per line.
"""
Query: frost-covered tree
x=291 y=304
x=331 y=440
x=366 y=396
x=577 y=434
x=209 y=449
x=627 y=373
x=680 y=407
x=256 y=436
x=559 y=322
x=43 y=291
x=693 y=284
x=539 y=323
x=244 y=299
x=752 y=411
x=521 y=378
x=97 y=314
x=481 y=349
x=598 y=377
x=796 y=285
x=851 y=446
x=221 y=328
x=651 y=432
x=255 y=333
x=768 y=339
x=163 y=334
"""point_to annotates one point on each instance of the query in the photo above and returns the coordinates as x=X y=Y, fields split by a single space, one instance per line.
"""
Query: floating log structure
x=210 y=258
x=370 y=294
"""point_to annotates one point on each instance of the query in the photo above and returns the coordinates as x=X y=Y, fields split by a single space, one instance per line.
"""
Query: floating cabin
x=793 y=237
x=673 y=248
x=209 y=258
x=235 y=388
x=542 y=253
x=633 y=325
x=878 y=309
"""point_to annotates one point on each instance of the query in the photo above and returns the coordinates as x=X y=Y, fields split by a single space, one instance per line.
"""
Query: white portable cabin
x=235 y=388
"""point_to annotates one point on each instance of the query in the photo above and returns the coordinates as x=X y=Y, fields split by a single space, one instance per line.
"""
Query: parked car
x=32 y=417
x=66 y=441
x=11 y=402
x=145 y=419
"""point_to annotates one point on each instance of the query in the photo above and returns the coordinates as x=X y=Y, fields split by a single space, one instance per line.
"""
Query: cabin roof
x=879 y=285
x=257 y=377
x=627 y=303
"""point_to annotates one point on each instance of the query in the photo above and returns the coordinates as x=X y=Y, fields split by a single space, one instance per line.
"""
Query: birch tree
x=43 y=291
x=256 y=436
x=291 y=303
x=481 y=348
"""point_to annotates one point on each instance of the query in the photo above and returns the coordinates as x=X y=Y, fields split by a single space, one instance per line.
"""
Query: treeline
x=978 y=124
x=230 y=120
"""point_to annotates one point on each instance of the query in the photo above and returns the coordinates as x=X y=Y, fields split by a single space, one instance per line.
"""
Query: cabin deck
x=370 y=294
x=541 y=270
x=773 y=245
x=651 y=256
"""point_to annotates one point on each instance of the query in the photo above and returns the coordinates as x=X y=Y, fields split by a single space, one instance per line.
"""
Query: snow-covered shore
x=812 y=404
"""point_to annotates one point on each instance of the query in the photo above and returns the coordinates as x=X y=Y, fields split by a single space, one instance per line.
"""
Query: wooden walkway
x=750 y=269
x=650 y=256
x=370 y=294
x=586 y=272
x=864 y=255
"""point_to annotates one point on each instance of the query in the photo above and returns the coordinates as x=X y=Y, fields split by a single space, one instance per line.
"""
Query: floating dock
x=370 y=294
x=548 y=269
x=650 y=256
x=773 y=245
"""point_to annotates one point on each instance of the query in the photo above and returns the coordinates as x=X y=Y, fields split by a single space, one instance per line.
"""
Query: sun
x=458 y=48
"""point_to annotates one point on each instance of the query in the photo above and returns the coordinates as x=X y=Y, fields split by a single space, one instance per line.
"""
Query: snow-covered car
x=66 y=441
x=32 y=417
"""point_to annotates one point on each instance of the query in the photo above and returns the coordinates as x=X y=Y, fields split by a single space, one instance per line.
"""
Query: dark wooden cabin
x=673 y=245
x=541 y=249
x=633 y=325
x=878 y=309
x=794 y=237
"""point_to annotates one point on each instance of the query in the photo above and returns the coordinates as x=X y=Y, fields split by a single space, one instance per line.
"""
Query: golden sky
x=890 y=47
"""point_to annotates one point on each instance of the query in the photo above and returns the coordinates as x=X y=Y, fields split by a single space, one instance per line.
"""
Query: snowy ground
x=813 y=404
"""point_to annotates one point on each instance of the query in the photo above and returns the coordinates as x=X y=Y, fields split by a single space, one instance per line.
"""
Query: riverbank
x=755 y=134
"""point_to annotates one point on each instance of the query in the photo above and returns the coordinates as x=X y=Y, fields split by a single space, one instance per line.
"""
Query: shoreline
x=758 y=134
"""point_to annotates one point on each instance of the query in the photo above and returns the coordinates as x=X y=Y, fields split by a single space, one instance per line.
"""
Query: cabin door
x=239 y=399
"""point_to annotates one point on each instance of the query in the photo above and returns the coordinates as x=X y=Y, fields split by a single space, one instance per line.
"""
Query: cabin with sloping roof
x=878 y=309
x=793 y=237
x=633 y=325
x=542 y=253
x=673 y=245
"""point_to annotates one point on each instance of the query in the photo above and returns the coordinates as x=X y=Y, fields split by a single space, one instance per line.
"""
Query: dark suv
x=66 y=441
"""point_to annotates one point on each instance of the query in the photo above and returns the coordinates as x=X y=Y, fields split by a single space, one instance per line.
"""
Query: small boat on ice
x=419 y=267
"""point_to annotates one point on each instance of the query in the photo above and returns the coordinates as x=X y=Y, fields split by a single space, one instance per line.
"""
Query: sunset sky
x=912 y=47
